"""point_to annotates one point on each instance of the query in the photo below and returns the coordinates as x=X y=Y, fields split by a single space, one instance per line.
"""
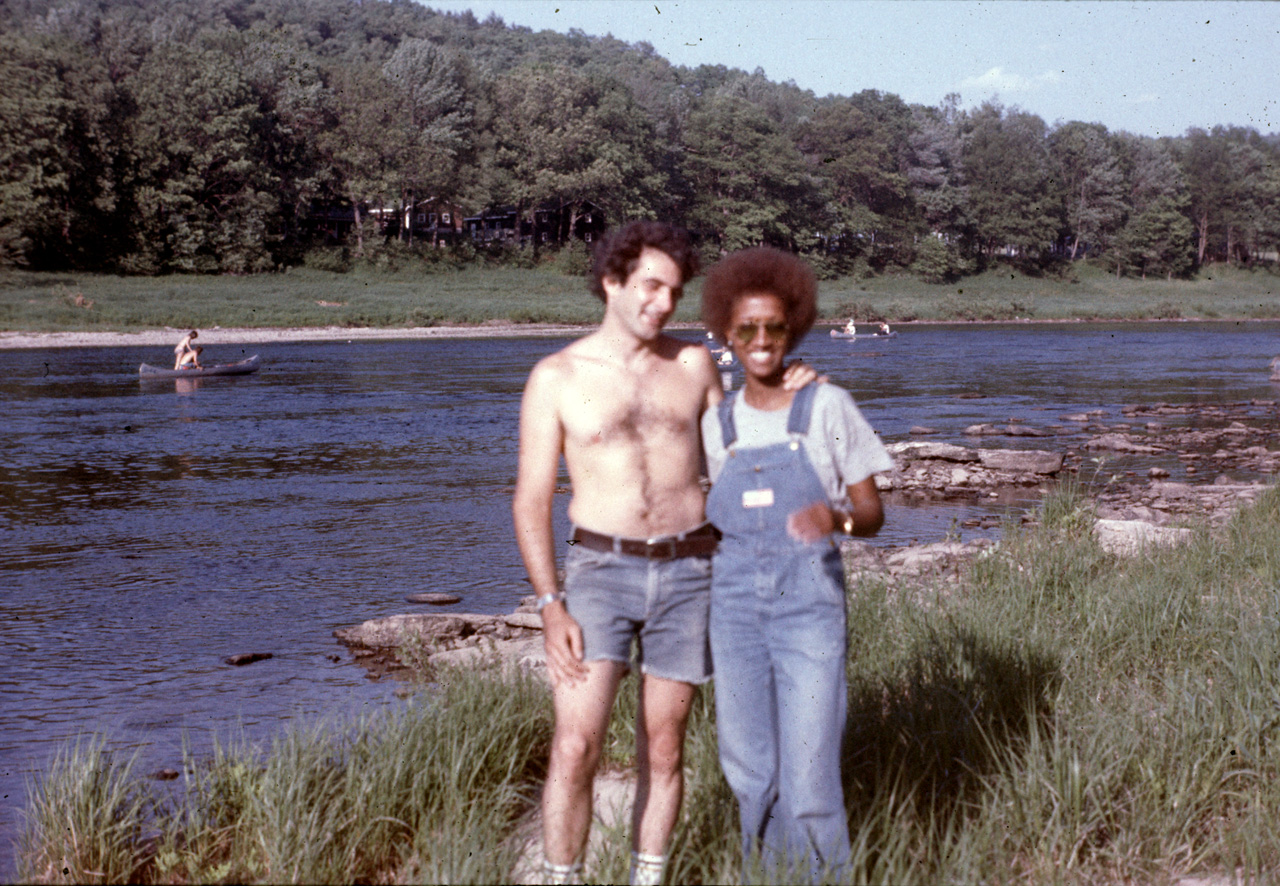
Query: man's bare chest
x=622 y=415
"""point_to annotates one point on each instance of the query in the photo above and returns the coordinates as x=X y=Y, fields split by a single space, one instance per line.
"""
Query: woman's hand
x=811 y=523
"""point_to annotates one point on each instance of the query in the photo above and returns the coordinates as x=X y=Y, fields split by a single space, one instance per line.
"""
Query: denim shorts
x=663 y=605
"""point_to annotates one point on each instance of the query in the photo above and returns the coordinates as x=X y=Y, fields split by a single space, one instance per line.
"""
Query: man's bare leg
x=661 y=720
x=582 y=719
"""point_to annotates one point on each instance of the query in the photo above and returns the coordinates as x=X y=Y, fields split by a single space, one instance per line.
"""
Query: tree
x=1159 y=239
x=34 y=130
x=201 y=195
x=1092 y=182
x=1015 y=198
x=356 y=145
x=293 y=109
x=1216 y=165
x=858 y=147
x=563 y=137
x=750 y=184
x=432 y=136
x=936 y=176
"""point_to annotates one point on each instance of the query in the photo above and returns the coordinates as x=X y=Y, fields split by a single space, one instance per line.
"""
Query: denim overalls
x=778 y=642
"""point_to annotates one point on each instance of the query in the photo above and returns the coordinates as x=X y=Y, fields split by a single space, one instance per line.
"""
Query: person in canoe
x=183 y=348
x=850 y=327
x=190 y=359
x=884 y=329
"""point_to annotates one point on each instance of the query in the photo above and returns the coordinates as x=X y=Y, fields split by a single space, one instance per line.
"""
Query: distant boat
x=851 y=336
x=244 y=367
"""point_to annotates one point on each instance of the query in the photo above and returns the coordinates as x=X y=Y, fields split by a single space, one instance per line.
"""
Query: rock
x=389 y=632
x=435 y=598
x=1157 y=473
x=926 y=558
x=1029 y=461
x=1023 y=431
x=982 y=430
x=165 y=774
x=944 y=451
x=244 y=658
x=918 y=430
x=462 y=639
x=1128 y=537
x=1119 y=443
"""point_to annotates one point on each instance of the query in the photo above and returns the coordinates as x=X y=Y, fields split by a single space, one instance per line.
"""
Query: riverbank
x=243 y=335
x=473 y=297
x=1054 y=710
x=19 y=340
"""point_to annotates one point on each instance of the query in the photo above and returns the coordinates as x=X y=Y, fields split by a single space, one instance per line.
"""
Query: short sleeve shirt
x=841 y=445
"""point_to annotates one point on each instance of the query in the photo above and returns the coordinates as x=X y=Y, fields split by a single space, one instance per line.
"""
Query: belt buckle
x=661 y=548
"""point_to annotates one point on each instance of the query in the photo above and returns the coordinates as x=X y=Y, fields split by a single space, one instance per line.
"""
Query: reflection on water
x=150 y=530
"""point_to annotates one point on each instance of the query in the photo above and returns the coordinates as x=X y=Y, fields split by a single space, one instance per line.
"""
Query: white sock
x=561 y=874
x=646 y=870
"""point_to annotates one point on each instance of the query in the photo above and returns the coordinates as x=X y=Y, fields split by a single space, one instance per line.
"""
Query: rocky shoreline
x=1210 y=445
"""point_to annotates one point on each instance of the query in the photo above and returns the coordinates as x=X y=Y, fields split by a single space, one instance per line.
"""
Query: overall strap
x=727 y=428
x=801 y=409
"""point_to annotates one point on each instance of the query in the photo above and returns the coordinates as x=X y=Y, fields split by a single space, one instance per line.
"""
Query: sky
x=1150 y=68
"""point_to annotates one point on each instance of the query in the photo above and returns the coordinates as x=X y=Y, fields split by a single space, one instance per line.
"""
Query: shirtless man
x=622 y=405
x=182 y=348
x=190 y=358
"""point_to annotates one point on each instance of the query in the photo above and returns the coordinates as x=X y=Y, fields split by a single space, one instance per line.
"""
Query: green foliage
x=574 y=259
x=147 y=139
x=86 y=818
x=1158 y=240
x=1014 y=194
x=1058 y=714
x=749 y=182
x=938 y=262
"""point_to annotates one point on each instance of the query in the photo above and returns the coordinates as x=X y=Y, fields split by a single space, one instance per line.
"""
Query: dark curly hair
x=618 y=253
x=762 y=269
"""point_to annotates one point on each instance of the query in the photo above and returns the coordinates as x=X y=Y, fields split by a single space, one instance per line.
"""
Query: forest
x=144 y=137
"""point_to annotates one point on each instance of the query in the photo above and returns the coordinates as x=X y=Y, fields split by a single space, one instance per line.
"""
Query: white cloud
x=1007 y=83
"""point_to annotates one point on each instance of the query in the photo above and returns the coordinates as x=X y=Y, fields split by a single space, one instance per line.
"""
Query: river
x=150 y=530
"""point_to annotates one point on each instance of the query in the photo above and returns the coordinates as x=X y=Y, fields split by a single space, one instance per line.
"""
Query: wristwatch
x=547 y=599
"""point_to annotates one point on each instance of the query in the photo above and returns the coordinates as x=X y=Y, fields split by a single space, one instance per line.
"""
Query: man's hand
x=799 y=374
x=811 y=523
x=562 y=639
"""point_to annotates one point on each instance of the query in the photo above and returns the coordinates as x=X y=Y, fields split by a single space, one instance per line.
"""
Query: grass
x=1060 y=715
x=305 y=297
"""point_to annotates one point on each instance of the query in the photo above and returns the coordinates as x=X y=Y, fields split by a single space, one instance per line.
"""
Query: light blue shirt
x=841 y=445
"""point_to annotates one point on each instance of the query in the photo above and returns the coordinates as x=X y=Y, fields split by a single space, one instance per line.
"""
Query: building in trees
x=549 y=224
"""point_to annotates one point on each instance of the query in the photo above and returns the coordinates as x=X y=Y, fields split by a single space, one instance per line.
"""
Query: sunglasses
x=746 y=332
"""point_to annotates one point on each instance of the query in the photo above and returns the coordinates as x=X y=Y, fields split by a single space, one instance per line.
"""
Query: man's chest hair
x=629 y=414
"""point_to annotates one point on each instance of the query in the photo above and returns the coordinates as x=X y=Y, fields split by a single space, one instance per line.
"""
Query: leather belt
x=700 y=542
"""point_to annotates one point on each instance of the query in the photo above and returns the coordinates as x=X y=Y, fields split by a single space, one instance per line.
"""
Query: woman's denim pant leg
x=778 y=642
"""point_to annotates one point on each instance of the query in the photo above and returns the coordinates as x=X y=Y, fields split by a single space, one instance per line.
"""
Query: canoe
x=840 y=333
x=244 y=367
